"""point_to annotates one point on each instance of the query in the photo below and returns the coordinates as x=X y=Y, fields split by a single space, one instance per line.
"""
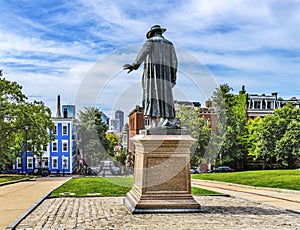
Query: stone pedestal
x=162 y=175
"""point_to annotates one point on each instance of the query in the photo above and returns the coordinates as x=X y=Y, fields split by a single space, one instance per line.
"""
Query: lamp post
x=26 y=149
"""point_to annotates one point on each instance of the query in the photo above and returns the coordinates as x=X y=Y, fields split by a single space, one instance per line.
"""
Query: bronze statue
x=159 y=77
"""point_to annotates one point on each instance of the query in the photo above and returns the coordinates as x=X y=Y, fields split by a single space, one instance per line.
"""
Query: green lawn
x=98 y=186
x=286 y=179
x=9 y=177
x=200 y=191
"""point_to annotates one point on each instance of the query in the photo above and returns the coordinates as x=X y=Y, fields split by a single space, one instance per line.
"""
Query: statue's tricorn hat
x=153 y=29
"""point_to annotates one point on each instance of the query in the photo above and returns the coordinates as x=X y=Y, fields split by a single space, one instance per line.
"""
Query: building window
x=54 y=163
x=65 y=146
x=19 y=162
x=270 y=105
x=147 y=122
x=29 y=162
x=44 y=147
x=257 y=104
x=55 y=130
x=65 y=162
x=38 y=162
x=45 y=162
x=54 y=146
x=65 y=130
x=29 y=147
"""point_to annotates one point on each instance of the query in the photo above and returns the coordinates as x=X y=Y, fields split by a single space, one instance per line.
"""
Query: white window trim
x=55 y=129
x=45 y=148
x=52 y=160
x=44 y=159
x=56 y=146
x=64 y=142
x=19 y=161
x=37 y=162
x=29 y=158
x=64 y=125
x=62 y=162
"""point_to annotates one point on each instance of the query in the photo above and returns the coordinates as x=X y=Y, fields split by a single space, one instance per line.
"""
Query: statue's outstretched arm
x=140 y=57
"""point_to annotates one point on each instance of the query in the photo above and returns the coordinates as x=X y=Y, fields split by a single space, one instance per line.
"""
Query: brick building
x=136 y=123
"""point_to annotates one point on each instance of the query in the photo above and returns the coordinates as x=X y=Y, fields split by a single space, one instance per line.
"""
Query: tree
x=16 y=113
x=113 y=141
x=37 y=117
x=231 y=125
x=121 y=157
x=92 y=136
x=275 y=138
x=253 y=126
x=287 y=149
x=198 y=129
x=266 y=139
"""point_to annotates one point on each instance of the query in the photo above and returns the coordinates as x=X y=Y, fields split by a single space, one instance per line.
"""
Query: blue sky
x=76 y=48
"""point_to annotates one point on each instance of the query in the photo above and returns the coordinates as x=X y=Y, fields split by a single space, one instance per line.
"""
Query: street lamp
x=26 y=149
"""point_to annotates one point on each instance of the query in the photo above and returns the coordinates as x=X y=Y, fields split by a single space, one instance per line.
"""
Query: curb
x=280 y=190
x=14 y=181
x=13 y=225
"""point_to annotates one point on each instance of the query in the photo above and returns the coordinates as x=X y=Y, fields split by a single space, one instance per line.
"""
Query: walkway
x=16 y=198
x=105 y=213
x=287 y=199
x=219 y=212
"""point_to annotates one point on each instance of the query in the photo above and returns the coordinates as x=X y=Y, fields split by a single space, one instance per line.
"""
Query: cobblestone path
x=110 y=213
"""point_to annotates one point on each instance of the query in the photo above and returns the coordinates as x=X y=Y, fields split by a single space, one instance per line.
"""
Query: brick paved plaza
x=109 y=213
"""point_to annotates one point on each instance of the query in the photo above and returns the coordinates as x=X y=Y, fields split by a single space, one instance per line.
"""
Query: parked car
x=42 y=171
x=221 y=169
x=194 y=170
x=115 y=170
x=93 y=171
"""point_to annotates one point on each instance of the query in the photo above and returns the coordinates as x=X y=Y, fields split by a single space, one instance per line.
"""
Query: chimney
x=275 y=95
x=242 y=91
x=58 y=113
x=208 y=104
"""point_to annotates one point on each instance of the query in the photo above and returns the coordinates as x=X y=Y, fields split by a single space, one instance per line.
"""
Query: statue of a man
x=159 y=76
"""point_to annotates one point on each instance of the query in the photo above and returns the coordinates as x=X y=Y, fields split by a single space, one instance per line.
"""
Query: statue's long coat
x=159 y=76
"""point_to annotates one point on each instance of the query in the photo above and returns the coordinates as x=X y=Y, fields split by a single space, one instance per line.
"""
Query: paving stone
x=110 y=213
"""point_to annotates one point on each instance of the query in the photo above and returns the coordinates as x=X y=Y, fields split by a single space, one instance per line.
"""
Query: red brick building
x=136 y=123
x=210 y=115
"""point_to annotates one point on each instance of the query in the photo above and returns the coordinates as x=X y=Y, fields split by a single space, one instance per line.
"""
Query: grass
x=116 y=186
x=10 y=177
x=99 y=186
x=285 y=179
x=200 y=191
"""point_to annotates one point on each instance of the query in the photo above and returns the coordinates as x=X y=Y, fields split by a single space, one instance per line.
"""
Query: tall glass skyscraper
x=120 y=116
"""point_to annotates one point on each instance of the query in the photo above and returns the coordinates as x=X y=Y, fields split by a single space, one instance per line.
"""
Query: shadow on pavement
x=249 y=210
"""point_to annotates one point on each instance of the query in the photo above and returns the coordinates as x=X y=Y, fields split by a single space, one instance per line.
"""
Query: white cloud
x=50 y=48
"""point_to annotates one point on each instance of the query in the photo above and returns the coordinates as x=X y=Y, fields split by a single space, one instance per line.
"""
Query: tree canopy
x=275 y=138
x=16 y=115
x=231 y=125
x=198 y=129
x=92 y=140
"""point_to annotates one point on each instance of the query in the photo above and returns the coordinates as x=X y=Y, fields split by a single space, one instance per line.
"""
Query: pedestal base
x=162 y=181
x=137 y=203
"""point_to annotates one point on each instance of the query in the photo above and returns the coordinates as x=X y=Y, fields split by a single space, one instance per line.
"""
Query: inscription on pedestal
x=166 y=174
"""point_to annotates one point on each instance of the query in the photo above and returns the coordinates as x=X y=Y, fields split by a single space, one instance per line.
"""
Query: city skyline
x=57 y=47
